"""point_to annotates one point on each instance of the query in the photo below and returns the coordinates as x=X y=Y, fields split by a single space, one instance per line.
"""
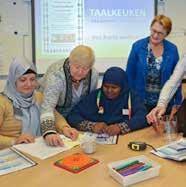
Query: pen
x=132 y=171
x=146 y=167
x=126 y=165
x=131 y=167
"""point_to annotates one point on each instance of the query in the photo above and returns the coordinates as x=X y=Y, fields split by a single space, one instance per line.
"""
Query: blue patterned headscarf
x=25 y=107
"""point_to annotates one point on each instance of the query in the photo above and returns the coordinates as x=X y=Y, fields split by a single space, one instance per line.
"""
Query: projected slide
x=108 y=26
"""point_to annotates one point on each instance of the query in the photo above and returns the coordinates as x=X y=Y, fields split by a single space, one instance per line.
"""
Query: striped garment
x=57 y=88
x=173 y=83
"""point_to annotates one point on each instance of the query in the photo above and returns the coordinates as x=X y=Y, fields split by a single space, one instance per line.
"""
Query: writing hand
x=54 y=140
x=155 y=114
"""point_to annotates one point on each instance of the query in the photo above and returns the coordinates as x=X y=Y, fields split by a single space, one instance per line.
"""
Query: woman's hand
x=99 y=127
x=70 y=132
x=53 y=140
x=24 y=138
x=113 y=130
x=155 y=114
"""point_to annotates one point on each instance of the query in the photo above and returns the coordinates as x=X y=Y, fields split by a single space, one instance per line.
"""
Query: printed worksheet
x=42 y=151
x=12 y=160
x=175 y=150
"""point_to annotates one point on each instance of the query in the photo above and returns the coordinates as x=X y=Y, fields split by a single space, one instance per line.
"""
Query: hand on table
x=71 y=133
x=53 y=140
x=24 y=138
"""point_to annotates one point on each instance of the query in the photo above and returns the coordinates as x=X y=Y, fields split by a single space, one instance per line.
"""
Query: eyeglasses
x=160 y=34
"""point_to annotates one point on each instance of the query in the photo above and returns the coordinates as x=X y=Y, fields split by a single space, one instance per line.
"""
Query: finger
x=71 y=134
x=149 y=118
x=100 y=130
x=48 y=140
x=25 y=141
x=60 y=142
x=154 y=127
x=19 y=142
x=160 y=114
x=154 y=116
x=105 y=130
x=74 y=135
x=109 y=131
x=30 y=139
x=54 y=141
x=51 y=140
x=172 y=114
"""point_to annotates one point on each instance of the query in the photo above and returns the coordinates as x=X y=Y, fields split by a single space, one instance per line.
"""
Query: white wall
x=176 y=10
x=15 y=16
x=15 y=33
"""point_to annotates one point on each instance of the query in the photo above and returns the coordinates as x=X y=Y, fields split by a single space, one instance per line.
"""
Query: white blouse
x=173 y=83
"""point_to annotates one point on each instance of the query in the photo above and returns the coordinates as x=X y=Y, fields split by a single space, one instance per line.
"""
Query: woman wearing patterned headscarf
x=20 y=106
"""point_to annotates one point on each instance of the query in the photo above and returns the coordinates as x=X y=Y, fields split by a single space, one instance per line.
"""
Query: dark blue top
x=137 y=68
x=153 y=81
x=114 y=110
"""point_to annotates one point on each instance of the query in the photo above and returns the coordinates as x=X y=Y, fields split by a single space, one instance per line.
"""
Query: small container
x=170 y=131
x=136 y=177
x=88 y=144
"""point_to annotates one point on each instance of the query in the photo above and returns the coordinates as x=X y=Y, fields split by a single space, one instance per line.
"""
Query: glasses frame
x=159 y=34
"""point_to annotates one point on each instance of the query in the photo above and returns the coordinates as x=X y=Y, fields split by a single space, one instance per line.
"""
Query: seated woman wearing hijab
x=111 y=109
x=20 y=108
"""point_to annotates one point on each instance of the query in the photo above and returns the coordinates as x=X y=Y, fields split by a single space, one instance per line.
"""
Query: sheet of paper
x=175 y=150
x=41 y=150
x=11 y=161
x=103 y=138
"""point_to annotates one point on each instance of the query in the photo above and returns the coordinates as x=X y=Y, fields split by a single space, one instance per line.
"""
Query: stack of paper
x=175 y=150
x=41 y=150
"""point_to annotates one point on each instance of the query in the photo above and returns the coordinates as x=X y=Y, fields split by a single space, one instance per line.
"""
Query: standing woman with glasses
x=151 y=63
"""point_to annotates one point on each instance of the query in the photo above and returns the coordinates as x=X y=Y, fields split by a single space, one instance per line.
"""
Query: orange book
x=76 y=162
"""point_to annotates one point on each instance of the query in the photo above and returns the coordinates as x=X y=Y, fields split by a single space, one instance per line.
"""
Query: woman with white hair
x=63 y=85
x=20 y=107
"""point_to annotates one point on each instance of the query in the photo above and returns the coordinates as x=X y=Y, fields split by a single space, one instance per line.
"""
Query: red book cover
x=76 y=162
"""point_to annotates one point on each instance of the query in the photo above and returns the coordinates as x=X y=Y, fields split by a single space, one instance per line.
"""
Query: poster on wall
x=108 y=26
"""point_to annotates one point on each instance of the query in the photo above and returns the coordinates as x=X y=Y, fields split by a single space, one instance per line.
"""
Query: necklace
x=75 y=81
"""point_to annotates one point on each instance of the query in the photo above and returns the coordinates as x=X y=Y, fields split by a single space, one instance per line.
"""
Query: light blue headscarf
x=25 y=107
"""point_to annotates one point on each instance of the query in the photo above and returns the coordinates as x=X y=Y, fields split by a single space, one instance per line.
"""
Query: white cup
x=88 y=145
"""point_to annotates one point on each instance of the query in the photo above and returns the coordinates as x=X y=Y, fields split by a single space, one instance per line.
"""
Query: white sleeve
x=173 y=83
